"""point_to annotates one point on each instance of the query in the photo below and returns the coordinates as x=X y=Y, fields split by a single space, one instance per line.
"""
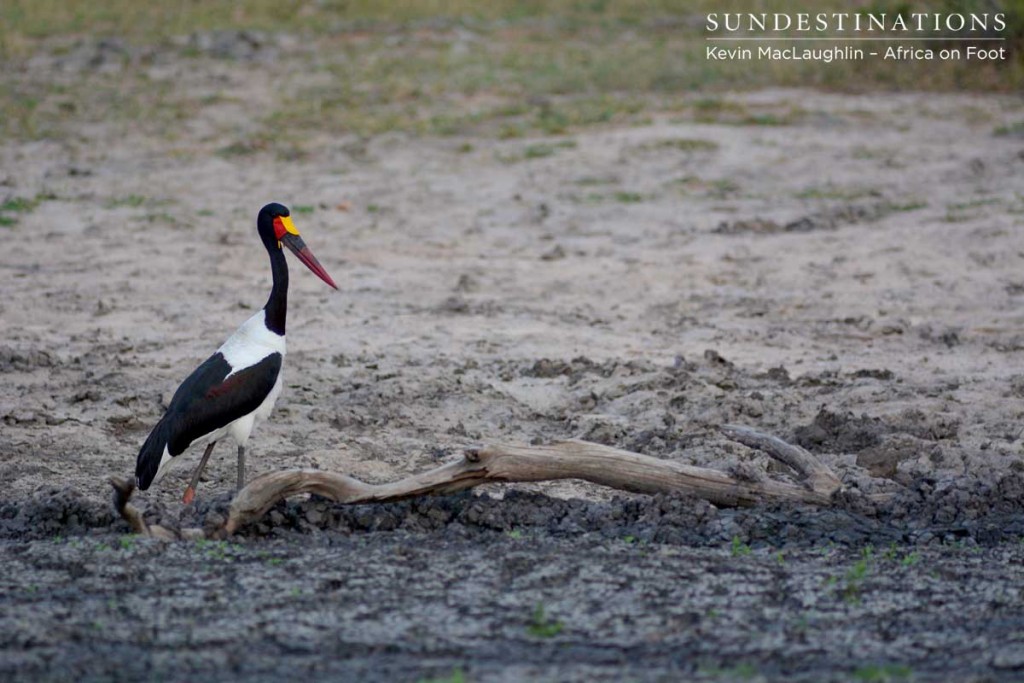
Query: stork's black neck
x=276 y=309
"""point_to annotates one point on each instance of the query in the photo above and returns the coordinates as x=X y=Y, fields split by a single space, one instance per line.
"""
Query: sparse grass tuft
x=689 y=145
x=132 y=201
x=456 y=677
x=739 y=548
x=882 y=673
x=542 y=626
x=1013 y=129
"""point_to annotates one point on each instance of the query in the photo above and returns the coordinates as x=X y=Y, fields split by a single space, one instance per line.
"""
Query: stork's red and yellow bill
x=288 y=235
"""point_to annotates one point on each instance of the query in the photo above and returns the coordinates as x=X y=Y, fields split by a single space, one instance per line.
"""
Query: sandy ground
x=851 y=281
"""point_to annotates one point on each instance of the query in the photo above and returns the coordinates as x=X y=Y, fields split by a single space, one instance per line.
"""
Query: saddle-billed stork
x=235 y=388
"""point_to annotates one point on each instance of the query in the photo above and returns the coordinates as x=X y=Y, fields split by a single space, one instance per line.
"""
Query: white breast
x=251 y=343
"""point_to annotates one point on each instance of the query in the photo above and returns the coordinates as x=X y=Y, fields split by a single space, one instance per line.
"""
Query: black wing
x=206 y=401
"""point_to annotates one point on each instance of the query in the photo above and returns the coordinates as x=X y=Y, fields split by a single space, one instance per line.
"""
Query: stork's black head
x=276 y=230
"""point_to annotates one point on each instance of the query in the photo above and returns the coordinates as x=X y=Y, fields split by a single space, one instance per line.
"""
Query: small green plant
x=456 y=677
x=681 y=144
x=1014 y=129
x=132 y=201
x=19 y=204
x=882 y=673
x=542 y=150
x=218 y=550
x=628 y=197
x=739 y=548
x=741 y=672
x=515 y=534
x=127 y=542
x=543 y=626
x=856 y=574
x=303 y=208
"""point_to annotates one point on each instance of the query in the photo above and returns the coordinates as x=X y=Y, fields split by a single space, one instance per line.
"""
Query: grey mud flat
x=521 y=587
x=843 y=271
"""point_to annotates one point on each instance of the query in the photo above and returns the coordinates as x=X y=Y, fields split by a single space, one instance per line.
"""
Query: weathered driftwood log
x=591 y=462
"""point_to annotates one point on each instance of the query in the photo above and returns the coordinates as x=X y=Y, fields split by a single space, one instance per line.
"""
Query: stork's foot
x=190 y=491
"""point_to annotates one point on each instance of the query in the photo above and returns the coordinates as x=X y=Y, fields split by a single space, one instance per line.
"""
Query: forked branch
x=591 y=462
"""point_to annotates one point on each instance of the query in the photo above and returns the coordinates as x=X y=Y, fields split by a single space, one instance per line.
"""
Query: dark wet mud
x=522 y=586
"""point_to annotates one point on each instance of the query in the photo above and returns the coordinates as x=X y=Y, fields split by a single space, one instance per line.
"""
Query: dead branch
x=123 y=490
x=812 y=471
x=591 y=462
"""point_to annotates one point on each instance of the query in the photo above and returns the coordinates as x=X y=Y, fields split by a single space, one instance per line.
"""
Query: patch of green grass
x=542 y=626
x=218 y=550
x=127 y=542
x=722 y=188
x=132 y=201
x=1015 y=129
x=856 y=574
x=625 y=197
x=681 y=144
x=456 y=677
x=303 y=208
x=539 y=151
x=740 y=672
x=910 y=559
x=965 y=211
x=912 y=205
x=882 y=673
x=19 y=204
x=515 y=534
x=738 y=548
x=835 y=192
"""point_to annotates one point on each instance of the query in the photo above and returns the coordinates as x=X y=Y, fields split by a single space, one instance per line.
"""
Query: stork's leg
x=241 y=467
x=190 y=492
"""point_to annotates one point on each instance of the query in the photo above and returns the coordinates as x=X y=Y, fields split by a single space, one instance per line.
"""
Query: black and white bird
x=236 y=388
